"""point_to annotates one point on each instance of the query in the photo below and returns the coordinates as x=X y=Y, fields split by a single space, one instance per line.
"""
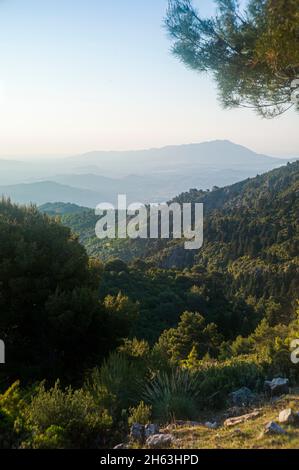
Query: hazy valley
x=154 y=175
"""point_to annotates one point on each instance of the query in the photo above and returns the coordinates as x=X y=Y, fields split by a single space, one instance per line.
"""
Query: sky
x=83 y=75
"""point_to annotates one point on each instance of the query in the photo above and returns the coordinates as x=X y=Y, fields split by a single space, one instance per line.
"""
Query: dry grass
x=243 y=436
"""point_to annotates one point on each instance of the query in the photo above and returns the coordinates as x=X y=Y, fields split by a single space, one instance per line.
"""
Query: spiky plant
x=173 y=395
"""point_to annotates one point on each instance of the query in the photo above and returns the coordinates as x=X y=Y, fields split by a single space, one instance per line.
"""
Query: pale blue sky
x=81 y=75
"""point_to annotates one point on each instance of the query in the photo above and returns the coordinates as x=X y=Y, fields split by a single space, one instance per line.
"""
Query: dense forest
x=143 y=329
x=250 y=253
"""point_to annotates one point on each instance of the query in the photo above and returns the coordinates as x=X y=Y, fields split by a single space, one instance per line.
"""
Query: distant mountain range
x=152 y=175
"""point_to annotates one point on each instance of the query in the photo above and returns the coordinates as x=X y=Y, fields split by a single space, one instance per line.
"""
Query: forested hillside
x=251 y=242
x=251 y=234
x=271 y=198
x=167 y=335
x=116 y=332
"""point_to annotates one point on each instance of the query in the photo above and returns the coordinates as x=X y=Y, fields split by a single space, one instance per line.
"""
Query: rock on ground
x=137 y=433
x=242 y=397
x=241 y=419
x=160 y=441
x=277 y=386
x=151 y=429
x=120 y=447
x=210 y=425
x=287 y=416
x=273 y=428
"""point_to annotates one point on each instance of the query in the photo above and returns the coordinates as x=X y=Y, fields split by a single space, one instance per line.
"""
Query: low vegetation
x=247 y=435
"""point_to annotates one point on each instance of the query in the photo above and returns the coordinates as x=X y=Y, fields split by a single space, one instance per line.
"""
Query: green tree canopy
x=253 y=55
x=192 y=333
x=51 y=318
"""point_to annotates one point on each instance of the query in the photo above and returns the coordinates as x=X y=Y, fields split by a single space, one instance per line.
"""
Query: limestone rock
x=287 y=416
x=160 y=441
x=120 y=447
x=273 y=428
x=278 y=386
x=241 y=419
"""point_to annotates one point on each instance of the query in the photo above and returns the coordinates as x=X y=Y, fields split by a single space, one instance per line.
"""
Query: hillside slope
x=256 y=217
x=43 y=192
x=249 y=257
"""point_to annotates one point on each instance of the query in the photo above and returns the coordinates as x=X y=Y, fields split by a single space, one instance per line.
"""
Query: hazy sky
x=81 y=75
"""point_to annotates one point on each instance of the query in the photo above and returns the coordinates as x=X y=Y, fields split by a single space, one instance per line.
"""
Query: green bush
x=135 y=348
x=51 y=438
x=117 y=385
x=272 y=345
x=140 y=414
x=10 y=407
x=66 y=418
x=217 y=379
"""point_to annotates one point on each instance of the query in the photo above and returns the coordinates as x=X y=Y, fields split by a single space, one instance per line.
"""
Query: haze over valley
x=153 y=175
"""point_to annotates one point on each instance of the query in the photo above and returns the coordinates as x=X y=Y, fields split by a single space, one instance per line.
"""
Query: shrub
x=52 y=438
x=217 y=379
x=65 y=419
x=140 y=414
x=10 y=406
x=135 y=348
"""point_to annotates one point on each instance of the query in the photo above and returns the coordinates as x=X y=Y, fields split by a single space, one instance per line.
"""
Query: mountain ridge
x=152 y=175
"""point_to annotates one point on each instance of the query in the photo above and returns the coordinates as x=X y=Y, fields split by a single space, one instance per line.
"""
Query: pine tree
x=253 y=55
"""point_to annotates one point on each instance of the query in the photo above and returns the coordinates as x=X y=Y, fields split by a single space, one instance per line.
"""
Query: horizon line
x=49 y=156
